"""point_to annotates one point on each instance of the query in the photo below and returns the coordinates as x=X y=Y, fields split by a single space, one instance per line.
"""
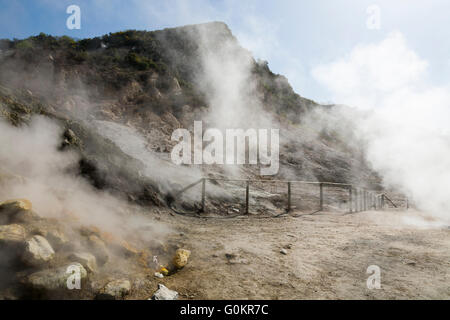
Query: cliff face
x=143 y=85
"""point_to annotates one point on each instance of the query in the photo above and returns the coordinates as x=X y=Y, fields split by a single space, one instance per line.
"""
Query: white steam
x=404 y=121
x=45 y=176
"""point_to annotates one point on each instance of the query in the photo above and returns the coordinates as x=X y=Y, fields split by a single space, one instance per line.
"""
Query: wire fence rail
x=243 y=196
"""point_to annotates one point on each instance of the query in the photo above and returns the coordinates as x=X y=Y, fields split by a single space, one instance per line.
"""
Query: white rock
x=284 y=251
x=164 y=293
x=38 y=251
x=159 y=275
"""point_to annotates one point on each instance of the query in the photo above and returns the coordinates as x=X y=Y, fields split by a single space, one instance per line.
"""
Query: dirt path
x=328 y=258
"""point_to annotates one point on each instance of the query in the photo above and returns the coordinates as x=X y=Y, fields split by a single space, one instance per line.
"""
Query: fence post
x=407 y=204
x=350 y=199
x=247 y=189
x=289 y=197
x=373 y=201
x=321 y=197
x=382 y=201
x=203 y=194
x=361 y=200
x=365 y=200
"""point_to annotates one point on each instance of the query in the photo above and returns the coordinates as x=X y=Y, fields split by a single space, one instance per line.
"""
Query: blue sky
x=294 y=36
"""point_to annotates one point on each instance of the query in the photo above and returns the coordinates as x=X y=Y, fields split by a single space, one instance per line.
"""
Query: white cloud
x=372 y=71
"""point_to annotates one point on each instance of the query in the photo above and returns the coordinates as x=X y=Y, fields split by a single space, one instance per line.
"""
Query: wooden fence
x=296 y=195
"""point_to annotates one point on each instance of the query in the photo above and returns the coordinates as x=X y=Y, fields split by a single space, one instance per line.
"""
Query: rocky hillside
x=149 y=82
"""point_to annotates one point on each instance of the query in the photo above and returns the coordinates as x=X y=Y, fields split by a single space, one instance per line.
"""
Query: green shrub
x=77 y=56
x=139 y=62
x=24 y=44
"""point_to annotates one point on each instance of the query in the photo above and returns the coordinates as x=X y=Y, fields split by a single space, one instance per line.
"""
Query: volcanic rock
x=164 y=293
x=116 y=289
x=86 y=259
x=12 y=234
x=37 y=251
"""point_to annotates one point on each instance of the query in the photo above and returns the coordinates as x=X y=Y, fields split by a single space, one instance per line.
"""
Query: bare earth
x=328 y=258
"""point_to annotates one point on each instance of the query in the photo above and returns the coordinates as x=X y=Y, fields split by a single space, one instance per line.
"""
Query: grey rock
x=164 y=293
x=99 y=249
x=16 y=211
x=87 y=260
x=57 y=238
x=55 y=278
x=12 y=234
x=24 y=216
x=37 y=251
x=116 y=289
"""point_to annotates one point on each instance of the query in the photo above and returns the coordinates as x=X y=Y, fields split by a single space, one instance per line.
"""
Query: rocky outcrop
x=37 y=251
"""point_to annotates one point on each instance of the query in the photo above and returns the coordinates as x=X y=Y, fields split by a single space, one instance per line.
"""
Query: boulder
x=181 y=258
x=86 y=259
x=37 y=251
x=164 y=293
x=98 y=249
x=19 y=204
x=24 y=216
x=55 y=278
x=12 y=234
x=10 y=208
x=57 y=238
x=88 y=231
x=116 y=289
x=53 y=234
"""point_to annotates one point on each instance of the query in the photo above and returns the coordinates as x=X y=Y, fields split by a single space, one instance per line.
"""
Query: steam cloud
x=39 y=172
x=403 y=119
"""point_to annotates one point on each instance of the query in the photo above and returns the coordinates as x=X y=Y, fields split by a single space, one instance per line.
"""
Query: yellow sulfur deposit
x=163 y=271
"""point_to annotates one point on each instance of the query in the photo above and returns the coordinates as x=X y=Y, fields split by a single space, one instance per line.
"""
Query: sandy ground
x=328 y=257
